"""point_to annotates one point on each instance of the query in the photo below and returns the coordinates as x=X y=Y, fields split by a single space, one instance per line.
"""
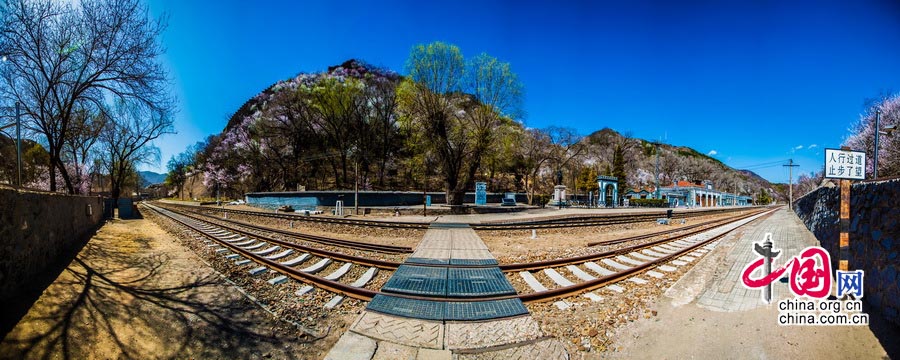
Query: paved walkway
x=727 y=293
x=436 y=330
x=711 y=300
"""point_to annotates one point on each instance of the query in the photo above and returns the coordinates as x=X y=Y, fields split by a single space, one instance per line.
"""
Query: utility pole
x=425 y=187
x=356 y=190
x=791 y=167
x=657 y=169
x=18 y=144
x=877 y=130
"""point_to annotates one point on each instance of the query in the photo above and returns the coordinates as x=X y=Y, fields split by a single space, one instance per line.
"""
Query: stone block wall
x=36 y=231
x=874 y=236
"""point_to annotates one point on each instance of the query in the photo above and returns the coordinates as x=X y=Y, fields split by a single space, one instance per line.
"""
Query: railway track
x=235 y=225
x=571 y=221
x=302 y=263
x=315 y=219
x=701 y=227
x=595 y=220
x=605 y=269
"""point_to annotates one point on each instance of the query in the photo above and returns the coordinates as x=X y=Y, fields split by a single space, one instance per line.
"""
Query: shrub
x=649 y=202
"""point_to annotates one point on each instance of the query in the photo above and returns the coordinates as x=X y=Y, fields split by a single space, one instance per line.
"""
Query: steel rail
x=381 y=264
x=591 y=257
x=330 y=285
x=568 y=291
x=670 y=231
x=393 y=249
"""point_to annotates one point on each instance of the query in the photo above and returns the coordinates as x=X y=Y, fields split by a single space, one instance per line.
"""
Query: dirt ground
x=681 y=329
x=517 y=245
x=752 y=334
x=134 y=292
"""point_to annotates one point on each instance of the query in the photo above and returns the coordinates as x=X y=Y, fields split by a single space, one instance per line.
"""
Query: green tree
x=457 y=107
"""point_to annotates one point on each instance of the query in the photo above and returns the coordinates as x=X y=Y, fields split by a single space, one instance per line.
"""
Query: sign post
x=480 y=193
x=846 y=165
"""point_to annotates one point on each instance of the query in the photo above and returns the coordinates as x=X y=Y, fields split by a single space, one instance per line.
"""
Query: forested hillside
x=323 y=131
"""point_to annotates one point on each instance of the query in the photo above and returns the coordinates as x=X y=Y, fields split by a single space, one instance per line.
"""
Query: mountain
x=676 y=163
x=149 y=177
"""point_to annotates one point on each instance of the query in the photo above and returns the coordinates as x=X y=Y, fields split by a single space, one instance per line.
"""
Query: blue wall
x=308 y=200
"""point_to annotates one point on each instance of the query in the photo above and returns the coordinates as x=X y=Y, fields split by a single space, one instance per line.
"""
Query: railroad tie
x=532 y=282
x=365 y=277
x=281 y=279
x=593 y=297
x=655 y=274
x=637 y=280
x=258 y=270
x=232 y=256
x=666 y=268
x=614 y=264
x=659 y=249
x=686 y=258
x=242 y=262
x=245 y=243
x=581 y=274
x=682 y=243
x=598 y=269
x=615 y=288
x=641 y=256
x=558 y=278
x=304 y=290
x=334 y=302
x=655 y=254
x=339 y=272
x=254 y=247
x=678 y=263
x=628 y=260
x=314 y=268
x=267 y=251
x=280 y=255
x=295 y=260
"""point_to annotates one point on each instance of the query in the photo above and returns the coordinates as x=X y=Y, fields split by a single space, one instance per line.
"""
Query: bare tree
x=534 y=152
x=127 y=142
x=67 y=56
x=78 y=145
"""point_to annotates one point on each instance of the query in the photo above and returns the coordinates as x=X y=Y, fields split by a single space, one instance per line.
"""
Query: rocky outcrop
x=874 y=236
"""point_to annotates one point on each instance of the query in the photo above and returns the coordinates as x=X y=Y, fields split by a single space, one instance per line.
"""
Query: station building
x=686 y=193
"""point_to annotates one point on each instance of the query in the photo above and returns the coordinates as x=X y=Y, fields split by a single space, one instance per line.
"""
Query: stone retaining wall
x=874 y=236
x=36 y=231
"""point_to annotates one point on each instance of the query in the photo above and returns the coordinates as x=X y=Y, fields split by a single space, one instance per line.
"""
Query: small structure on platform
x=559 y=196
x=609 y=191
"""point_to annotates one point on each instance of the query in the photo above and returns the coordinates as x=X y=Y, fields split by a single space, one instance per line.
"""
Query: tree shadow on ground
x=130 y=309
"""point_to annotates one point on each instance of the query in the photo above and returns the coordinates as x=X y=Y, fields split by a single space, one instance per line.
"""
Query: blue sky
x=750 y=82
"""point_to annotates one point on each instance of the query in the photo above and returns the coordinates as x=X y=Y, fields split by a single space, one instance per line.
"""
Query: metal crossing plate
x=475 y=262
x=483 y=310
x=478 y=287
x=419 y=309
x=463 y=282
x=418 y=280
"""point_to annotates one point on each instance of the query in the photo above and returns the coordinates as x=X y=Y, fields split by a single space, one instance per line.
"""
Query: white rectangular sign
x=845 y=164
